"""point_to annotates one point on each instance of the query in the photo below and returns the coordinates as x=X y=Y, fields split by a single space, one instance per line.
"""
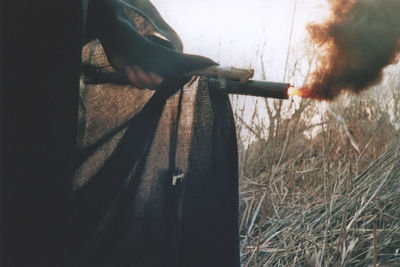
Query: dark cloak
x=148 y=178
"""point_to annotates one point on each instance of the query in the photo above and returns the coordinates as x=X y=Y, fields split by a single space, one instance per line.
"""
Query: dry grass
x=330 y=198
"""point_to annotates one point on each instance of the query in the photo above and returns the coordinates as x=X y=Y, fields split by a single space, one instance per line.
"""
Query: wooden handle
x=228 y=73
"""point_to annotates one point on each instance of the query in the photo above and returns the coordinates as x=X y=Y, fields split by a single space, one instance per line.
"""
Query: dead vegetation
x=319 y=185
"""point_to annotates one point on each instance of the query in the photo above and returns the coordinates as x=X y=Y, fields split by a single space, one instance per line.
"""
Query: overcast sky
x=232 y=31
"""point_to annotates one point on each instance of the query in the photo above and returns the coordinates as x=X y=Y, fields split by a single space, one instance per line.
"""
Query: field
x=320 y=182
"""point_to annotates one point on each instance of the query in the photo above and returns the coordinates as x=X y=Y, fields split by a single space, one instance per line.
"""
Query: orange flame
x=297 y=92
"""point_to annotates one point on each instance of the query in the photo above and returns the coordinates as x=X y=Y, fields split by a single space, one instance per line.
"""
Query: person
x=40 y=73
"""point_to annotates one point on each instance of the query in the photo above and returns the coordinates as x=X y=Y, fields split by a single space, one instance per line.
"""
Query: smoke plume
x=360 y=39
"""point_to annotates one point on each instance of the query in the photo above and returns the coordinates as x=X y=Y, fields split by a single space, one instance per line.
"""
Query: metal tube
x=252 y=88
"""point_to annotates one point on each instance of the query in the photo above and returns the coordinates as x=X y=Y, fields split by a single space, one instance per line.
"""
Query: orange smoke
x=302 y=92
x=359 y=40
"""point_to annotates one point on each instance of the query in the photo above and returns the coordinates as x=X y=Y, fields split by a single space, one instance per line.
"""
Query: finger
x=156 y=78
x=143 y=77
x=131 y=74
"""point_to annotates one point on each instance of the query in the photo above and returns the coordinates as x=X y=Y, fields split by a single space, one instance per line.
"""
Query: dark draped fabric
x=104 y=174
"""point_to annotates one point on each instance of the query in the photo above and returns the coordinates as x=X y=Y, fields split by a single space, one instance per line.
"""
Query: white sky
x=241 y=32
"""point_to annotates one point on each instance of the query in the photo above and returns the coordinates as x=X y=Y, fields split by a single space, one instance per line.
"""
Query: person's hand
x=141 y=79
x=135 y=74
